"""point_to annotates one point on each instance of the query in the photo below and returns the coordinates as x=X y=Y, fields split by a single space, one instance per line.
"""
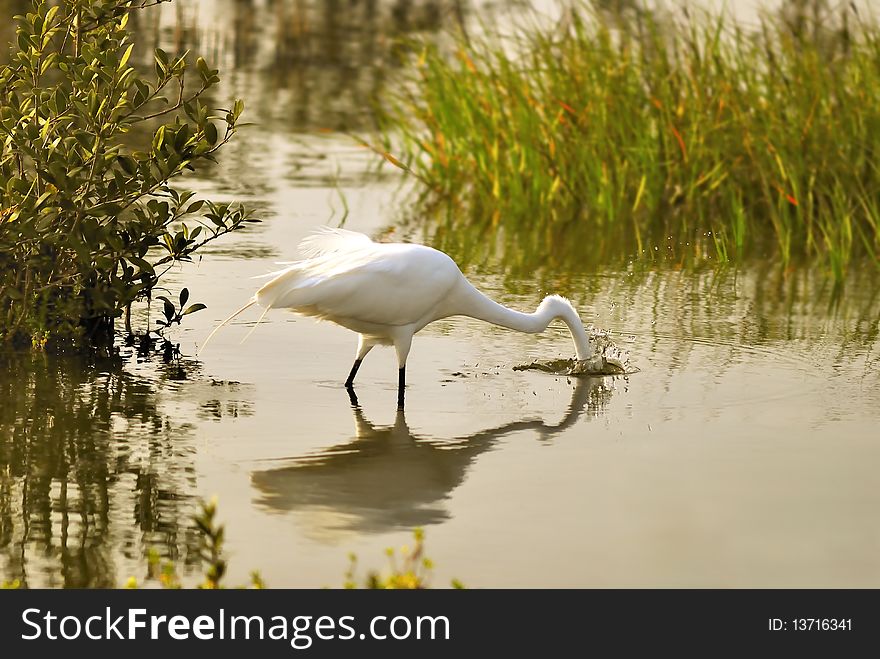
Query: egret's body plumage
x=386 y=292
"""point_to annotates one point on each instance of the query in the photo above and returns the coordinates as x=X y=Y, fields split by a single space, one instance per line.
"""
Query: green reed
x=642 y=135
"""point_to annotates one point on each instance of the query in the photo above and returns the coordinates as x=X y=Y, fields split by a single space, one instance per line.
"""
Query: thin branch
x=178 y=105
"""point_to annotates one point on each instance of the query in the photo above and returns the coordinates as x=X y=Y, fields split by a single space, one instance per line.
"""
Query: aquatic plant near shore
x=413 y=573
x=88 y=222
x=637 y=135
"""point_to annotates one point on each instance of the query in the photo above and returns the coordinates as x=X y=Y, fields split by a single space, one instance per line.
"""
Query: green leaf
x=43 y=197
x=50 y=15
x=144 y=266
x=168 y=308
x=198 y=306
x=87 y=140
x=124 y=60
x=184 y=296
x=127 y=163
x=211 y=134
x=158 y=138
x=45 y=223
x=181 y=138
x=202 y=66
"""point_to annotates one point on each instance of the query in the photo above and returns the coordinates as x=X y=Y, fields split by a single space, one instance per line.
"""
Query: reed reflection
x=307 y=64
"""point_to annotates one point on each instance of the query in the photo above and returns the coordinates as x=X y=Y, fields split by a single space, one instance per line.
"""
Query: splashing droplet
x=607 y=359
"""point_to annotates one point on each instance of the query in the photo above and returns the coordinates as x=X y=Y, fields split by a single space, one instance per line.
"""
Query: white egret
x=386 y=292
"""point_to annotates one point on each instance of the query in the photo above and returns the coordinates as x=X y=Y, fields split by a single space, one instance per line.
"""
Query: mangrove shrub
x=89 y=220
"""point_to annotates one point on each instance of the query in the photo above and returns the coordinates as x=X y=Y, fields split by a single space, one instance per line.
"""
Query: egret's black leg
x=401 y=385
x=352 y=397
x=354 y=369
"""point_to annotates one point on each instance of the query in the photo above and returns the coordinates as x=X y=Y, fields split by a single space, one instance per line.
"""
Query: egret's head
x=557 y=306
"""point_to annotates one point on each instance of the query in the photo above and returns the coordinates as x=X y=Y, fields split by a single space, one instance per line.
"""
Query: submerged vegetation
x=413 y=573
x=89 y=220
x=636 y=134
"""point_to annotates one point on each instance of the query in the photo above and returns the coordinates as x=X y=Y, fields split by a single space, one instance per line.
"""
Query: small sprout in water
x=173 y=314
x=257 y=582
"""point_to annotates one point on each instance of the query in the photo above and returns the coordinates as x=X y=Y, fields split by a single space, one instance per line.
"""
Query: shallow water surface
x=742 y=453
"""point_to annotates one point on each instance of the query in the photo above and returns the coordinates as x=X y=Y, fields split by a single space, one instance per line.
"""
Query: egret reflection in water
x=388 y=477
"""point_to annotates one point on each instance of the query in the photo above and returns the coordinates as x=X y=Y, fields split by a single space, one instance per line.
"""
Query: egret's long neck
x=471 y=302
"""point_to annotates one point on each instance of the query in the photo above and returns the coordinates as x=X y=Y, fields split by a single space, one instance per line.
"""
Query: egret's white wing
x=382 y=284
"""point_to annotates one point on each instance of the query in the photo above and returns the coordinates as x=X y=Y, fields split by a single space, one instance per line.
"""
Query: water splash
x=607 y=359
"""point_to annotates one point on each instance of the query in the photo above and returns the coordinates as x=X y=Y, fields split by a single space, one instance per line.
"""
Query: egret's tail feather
x=250 y=303
x=259 y=320
x=327 y=239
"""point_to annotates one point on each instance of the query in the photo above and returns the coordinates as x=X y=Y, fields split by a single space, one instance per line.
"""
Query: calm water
x=744 y=452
